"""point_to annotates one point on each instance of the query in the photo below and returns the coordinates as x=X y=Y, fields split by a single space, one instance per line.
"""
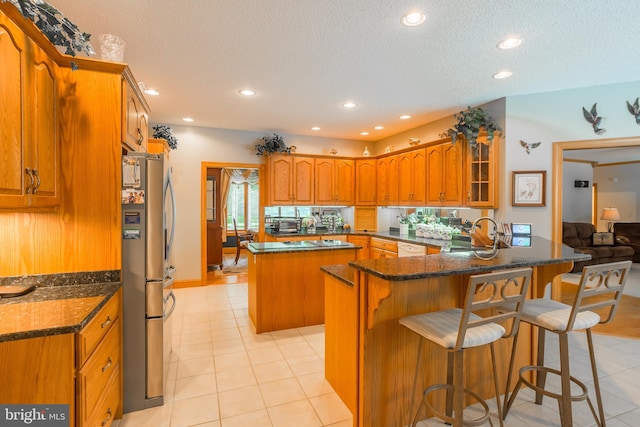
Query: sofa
x=579 y=235
x=628 y=233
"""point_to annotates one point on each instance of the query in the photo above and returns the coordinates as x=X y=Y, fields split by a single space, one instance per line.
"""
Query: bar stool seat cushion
x=554 y=316
x=441 y=327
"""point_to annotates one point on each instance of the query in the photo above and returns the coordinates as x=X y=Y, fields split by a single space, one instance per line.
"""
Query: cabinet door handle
x=35 y=188
x=109 y=415
x=108 y=365
x=140 y=137
x=33 y=181
x=106 y=322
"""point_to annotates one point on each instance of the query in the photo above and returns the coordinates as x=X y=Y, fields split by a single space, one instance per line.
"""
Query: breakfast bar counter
x=370 y=359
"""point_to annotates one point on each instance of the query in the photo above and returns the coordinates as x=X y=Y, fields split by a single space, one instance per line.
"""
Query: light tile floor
x=224 y=375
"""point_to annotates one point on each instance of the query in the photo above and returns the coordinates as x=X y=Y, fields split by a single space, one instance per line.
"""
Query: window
x=242 y=204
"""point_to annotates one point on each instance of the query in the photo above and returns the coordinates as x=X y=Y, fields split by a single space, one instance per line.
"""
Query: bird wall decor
x=528 y=147
x=593 y=118
x=634 y=109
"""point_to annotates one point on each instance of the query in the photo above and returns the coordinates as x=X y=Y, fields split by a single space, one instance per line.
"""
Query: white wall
x=197 y=145
x=576 y=202
x=618 y=186
x=552 y=117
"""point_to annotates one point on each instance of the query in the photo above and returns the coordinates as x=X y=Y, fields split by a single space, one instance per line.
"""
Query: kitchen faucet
x=481 y=238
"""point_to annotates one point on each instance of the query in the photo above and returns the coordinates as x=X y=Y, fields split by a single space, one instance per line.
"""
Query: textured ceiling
x=306 y=57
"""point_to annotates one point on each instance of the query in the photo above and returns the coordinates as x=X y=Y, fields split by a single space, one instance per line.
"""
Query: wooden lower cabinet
x=82 y=370
x=382 y=248
x=362 y=241
x=286 y=290
x=99 y=379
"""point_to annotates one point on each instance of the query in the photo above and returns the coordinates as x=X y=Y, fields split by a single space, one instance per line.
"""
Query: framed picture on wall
x=528 y=188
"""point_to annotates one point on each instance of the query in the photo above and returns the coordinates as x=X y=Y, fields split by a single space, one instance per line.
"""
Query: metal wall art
x=593 y=118
x=528 y=147
x=634 y=109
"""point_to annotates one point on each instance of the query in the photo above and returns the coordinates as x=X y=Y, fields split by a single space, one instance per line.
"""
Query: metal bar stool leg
x=596 y=382
x=541 y=376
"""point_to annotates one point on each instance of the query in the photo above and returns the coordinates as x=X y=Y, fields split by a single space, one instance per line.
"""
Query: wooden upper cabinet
x=30 y=158
x=387 y=180
x=365 y=182
x=412 y=177
x=335 y=181
x=481 y=166
x=135 y=128
x=291 y=180
x=444 y=176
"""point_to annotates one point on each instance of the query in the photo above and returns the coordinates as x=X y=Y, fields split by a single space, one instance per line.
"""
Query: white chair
x=459 y=328
x=600 y=286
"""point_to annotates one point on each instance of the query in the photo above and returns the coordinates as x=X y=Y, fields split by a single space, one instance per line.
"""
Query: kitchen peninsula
x=286 y=285
x=370 y=360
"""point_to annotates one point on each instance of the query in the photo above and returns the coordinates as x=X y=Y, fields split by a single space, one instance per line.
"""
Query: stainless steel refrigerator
x=148 y=224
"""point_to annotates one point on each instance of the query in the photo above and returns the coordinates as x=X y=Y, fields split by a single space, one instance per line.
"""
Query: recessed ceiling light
x=152 y=92
x=364 y=133
x=414 y=18
x=349 y=104
x=187 y=119
x=315 y=128
x=509 y=43
x=379 y=127
x=502 y=74
x=405 y=117
x=247 y=92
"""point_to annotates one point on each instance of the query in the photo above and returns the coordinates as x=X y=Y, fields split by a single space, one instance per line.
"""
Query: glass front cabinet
x=482 y=173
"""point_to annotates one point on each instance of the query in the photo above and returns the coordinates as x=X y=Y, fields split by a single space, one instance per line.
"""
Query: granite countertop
x=391 y=235
x=52 y=308
x=542 y=251
x=299 y=246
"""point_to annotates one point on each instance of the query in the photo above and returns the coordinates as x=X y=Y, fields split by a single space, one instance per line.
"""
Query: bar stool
x=458 y=329
x=605 y=282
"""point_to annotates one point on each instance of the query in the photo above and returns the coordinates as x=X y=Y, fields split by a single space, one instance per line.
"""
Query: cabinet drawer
x=97 y=328
x=95 y=376
x=107 y=406
x=387 y=245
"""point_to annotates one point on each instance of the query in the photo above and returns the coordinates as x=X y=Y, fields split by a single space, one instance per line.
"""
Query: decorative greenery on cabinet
x=470 y=123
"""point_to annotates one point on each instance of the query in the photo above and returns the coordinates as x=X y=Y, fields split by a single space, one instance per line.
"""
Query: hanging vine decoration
x=528 y=147
x=593 y=118
x=634 y=109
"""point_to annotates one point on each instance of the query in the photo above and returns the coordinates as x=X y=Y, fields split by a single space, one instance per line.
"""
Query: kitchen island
x=370 y=359
x=285 y=283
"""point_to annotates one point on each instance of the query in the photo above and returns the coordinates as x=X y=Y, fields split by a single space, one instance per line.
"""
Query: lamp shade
x=610 y=214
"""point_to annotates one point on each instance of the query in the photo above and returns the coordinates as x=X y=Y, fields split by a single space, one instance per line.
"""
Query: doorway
x=208 y=210
x=557 y=163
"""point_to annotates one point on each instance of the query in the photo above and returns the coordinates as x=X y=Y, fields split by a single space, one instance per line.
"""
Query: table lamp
x=610 y=215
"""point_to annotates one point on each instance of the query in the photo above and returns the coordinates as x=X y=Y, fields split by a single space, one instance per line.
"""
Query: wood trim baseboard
x=187 y=283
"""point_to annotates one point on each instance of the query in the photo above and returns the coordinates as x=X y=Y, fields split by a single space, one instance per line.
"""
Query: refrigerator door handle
x=169 y=189
x=171 y=270
x=173 y=305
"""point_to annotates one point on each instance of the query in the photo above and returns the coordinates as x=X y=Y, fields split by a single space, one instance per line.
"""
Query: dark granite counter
x=344 y=273
x=391 y=235
x=299 y=246
x=541 y=252
x=60 y=303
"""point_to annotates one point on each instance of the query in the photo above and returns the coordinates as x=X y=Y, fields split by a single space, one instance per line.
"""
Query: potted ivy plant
x=270 y=145
x=470 y=123
x=58 y=29
x=166 y=133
